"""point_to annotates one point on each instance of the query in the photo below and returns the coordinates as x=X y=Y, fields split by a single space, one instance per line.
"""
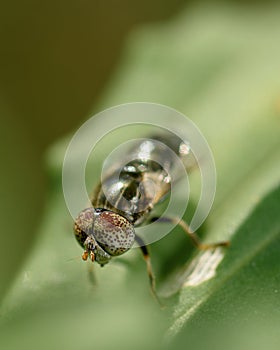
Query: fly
x=107 y=228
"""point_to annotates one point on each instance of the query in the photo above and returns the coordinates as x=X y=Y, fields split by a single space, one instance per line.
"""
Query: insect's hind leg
x=192 y=235
x=147 y=258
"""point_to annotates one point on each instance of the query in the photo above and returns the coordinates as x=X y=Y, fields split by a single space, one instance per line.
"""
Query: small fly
x=107 y=228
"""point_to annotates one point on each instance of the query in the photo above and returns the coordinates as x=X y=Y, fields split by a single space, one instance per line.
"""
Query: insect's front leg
x=192 y=235
x=147 y=258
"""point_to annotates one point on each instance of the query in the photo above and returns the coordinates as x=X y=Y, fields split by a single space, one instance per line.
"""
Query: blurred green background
x=217 y=62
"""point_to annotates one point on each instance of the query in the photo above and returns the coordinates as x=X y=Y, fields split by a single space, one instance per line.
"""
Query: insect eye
x=83 y=225
x=113 y=232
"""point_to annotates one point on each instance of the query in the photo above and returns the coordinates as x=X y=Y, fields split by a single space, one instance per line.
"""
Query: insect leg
x=91 y=275
x=147 y=258
x=192 y=235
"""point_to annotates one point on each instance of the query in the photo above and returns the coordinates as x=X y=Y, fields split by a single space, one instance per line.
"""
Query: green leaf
x=243 y=293
x=219 y=66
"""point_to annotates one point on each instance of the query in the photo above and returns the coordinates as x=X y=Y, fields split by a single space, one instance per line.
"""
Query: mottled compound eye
x=113 y=232
x=83 y=225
